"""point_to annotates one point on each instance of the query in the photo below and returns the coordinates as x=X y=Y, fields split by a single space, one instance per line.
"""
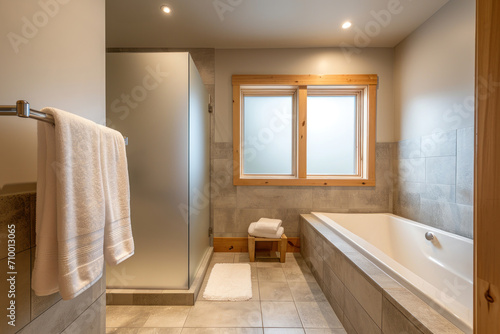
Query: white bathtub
x=440 y=272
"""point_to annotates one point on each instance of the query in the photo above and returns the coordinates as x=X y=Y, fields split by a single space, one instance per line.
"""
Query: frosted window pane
x=267 y=135
x=331 y=135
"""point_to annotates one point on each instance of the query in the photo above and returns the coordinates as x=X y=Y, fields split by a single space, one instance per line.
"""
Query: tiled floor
x=286 y=299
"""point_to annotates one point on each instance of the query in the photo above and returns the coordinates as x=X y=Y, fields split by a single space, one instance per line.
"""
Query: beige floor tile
x=325 y=331
x=268 y=264
x=271 y=275
x=242 y=258
x=297 y=274
x=159 y=331
x=255 y=291
x=127 y=316
x=224 y=314
x=222 y=331
x=280 y=314
x=222 y=258
x=167 y=316
x=286 y=299
x=275 y=291
x=121 y=330
x=306 y=292
x=253 y=268
x=283 y=331
x=317 y=315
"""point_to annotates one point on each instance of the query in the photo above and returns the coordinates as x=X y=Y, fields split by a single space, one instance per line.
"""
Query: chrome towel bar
x=22 y=109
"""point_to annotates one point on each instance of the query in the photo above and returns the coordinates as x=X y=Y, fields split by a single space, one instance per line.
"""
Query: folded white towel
x=118 y=241
x=275 y=235
x=73 y=205
x=267 y=225
x=269 y=220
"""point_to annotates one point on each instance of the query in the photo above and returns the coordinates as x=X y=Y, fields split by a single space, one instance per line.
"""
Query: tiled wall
x=434 y=180
x=50 y=314
x=235 y=207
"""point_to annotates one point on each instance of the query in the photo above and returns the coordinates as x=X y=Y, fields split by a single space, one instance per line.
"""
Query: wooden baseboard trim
x=240 y=245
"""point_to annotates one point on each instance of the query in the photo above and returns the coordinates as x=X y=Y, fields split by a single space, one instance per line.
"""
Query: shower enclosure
x=159 y=102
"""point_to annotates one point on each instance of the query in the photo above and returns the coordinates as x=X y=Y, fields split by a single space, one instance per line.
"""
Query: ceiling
x=226 y=24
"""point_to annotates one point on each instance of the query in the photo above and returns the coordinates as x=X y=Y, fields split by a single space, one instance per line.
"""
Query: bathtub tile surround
x=47 y=314
x=286 y=299
x=433 y=181
x=365 y=299
x=234 y=208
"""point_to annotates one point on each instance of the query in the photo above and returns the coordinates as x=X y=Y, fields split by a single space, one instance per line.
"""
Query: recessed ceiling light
x=346 y=25
x=166 y=9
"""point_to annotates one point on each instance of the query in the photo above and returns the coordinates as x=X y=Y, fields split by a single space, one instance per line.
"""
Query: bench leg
x=251 y=248
x=283 y=243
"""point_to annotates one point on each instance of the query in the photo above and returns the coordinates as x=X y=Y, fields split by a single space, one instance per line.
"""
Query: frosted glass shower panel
x=268 y=135
x=148 y=100
x=199 y=171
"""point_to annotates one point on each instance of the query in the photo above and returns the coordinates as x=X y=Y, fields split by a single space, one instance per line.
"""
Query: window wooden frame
x=365 y=83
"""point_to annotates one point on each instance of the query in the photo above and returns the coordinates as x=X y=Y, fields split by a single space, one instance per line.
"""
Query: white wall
x=303 y=61
x=52 y=53
x=434 y=73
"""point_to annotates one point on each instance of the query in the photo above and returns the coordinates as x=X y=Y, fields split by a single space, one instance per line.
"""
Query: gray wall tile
x=335 y=288
x=335 y=260
x=411 y=170
x=408 y=149
x=224 y=220
x=440 y=170
x=273 y=197
x=384 y=173
x=394 y=322
x=335 y=199
x=93 y=320
x=465 y=166
x=407 y=205
x=439 y=144
x=222 y=178
x=439 y=192
x=60 y=315
x=365 y=293
x=357 y=316
x=370 y=199
x=15 y=210
x=443 y=198
x=222 y=150
x=447 y=216
x=411 y=187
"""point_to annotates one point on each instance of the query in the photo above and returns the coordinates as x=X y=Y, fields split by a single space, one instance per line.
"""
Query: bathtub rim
x=429 y=321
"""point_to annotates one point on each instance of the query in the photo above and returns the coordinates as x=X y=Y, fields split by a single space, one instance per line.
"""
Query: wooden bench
x=282 y=242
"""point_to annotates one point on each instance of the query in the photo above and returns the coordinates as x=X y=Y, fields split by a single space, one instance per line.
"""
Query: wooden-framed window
x=304 y=130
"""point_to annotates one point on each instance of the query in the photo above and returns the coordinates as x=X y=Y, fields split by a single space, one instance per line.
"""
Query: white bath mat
x=229 y=281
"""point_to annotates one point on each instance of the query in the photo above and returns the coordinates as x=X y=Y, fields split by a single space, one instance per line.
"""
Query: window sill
x=306 y=182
